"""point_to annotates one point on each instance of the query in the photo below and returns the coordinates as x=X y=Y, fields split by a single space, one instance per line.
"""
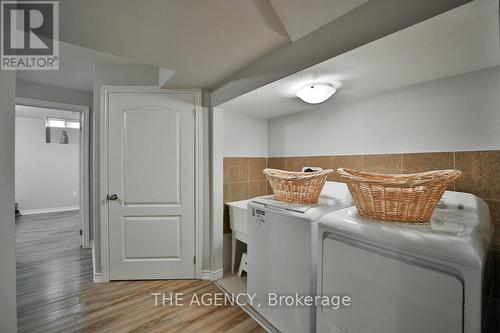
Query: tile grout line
x=454 y=168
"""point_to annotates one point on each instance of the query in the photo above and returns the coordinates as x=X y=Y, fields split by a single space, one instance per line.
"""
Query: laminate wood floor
x=55 y=292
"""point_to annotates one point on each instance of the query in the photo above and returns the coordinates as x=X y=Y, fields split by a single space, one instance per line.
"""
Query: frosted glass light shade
x=315 y=93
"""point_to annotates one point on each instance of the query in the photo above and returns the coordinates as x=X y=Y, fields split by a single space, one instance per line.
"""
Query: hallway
x=52 y=269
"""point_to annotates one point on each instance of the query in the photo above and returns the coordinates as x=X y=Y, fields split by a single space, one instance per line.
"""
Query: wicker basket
x=297 y=187
x=404 y=197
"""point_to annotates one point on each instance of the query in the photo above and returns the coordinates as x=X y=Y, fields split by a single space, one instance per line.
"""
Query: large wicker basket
x=403 y=197
x=297 y=187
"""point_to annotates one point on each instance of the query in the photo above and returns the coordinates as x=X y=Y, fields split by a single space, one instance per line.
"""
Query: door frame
x=104 y=168
x=83 y=160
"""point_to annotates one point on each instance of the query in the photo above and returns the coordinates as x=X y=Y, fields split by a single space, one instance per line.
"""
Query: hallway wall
x=47 y=174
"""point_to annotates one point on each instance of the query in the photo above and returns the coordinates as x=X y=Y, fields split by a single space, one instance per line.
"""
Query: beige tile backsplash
x=481 y=173
x=243 y=178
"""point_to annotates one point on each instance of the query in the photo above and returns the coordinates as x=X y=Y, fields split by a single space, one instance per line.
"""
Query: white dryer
x=282 y=252
x=407 y=278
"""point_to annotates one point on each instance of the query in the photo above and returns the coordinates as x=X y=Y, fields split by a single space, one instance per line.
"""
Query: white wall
x=8 y=315
x=217 y=134
x=451 y=114
x=244 y=135
x=47 y=175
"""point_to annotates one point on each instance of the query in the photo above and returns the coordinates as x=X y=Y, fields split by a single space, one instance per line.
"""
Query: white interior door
x=151 y=185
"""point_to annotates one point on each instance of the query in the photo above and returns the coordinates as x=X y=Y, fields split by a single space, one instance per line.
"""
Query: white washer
x=282 y=252
x=407 y=278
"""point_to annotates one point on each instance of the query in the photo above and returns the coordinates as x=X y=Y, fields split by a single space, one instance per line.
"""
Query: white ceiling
x=40 y=113
x=75 y=68
x=203 y=42
x=459 y=41
x=301 y=17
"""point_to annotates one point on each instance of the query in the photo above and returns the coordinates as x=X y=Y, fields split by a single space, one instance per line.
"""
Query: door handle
x=112 y=197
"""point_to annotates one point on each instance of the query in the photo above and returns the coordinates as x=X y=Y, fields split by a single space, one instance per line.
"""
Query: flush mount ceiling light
x=315 y=93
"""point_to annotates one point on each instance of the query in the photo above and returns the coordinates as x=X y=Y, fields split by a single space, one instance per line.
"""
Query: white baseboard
x=98 y=278
x=97 y=275
x=212 y=275
x=205 y=275
x=93 y=262
x=48 y=210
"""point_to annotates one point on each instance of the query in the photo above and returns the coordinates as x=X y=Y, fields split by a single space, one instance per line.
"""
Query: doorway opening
x=52 y=154
x=52 y=205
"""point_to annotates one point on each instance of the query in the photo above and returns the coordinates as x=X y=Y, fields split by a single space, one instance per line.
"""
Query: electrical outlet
x=74 y=193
